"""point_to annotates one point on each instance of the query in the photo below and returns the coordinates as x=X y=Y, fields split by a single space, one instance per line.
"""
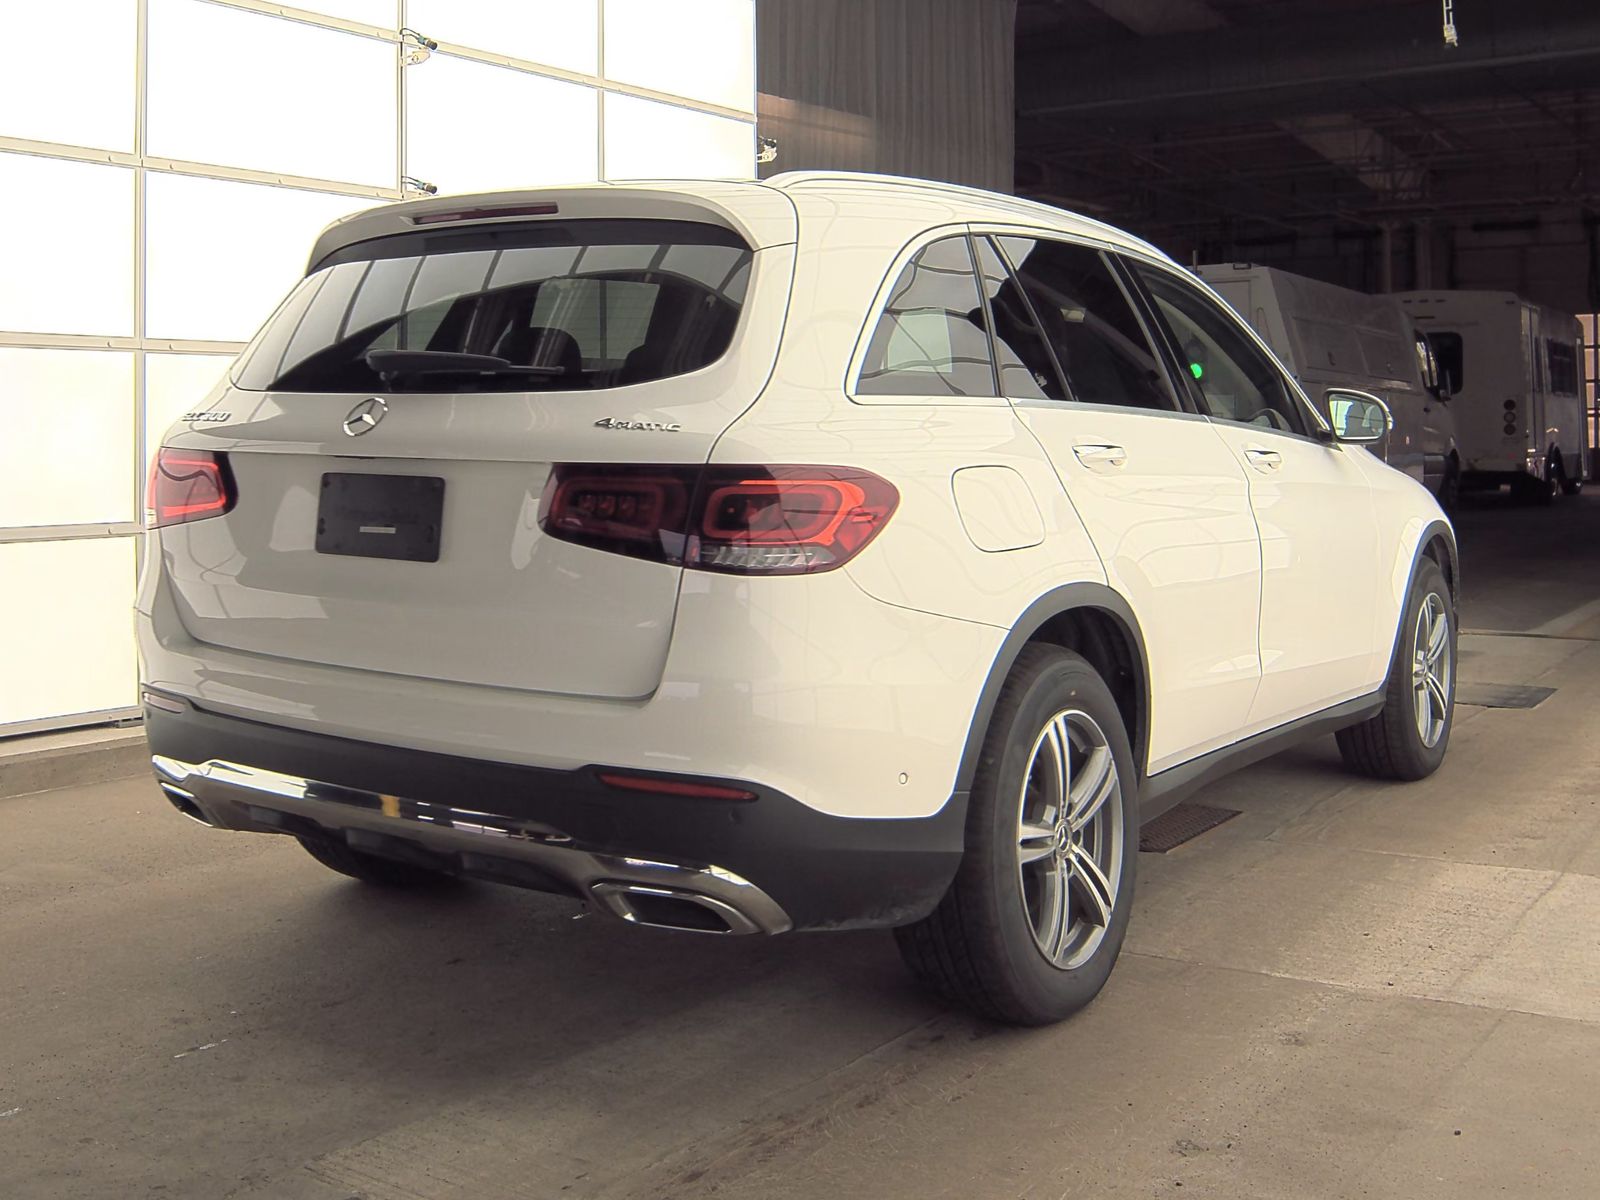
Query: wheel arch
x=1094 y=621
x=1437 y=543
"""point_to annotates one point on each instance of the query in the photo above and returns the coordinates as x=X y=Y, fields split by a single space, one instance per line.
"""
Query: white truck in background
x=1334 y=336
x=1515 y=370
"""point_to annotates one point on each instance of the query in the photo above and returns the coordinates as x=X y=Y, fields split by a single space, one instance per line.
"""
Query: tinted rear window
x=569 y=306
x=930 y=340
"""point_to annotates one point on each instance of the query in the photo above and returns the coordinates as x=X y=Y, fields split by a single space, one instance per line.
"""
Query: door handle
x=1100 y=454
x=1263 y=459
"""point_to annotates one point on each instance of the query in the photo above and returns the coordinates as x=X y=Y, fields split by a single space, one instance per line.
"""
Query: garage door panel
x=73 y=272
x=66 y=422
x=66 y=619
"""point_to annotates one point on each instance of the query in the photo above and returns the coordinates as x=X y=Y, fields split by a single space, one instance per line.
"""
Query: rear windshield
x=547 y=306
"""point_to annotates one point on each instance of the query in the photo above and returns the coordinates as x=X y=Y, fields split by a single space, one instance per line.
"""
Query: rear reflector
x=188 y=485
x=674 y=787
x=164 y=703
x=771 y=520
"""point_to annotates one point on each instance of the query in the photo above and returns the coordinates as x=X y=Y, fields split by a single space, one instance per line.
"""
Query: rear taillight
x=779 y=520
x=188 y=485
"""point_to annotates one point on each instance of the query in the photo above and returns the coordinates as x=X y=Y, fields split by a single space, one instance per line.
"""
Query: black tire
x=1450 y=487
x=980 y=947
x=1530 y=489
x=1570 y=486
x=370 y=868
x=1392 y=745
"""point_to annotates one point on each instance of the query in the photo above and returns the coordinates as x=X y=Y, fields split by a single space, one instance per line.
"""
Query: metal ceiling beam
x=1322 y=62
x=1373 y=159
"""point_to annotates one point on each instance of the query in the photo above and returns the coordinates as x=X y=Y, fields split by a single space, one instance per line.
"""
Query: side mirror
x=1358 y=417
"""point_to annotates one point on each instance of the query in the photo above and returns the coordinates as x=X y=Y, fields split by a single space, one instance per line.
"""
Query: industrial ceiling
x=1287 y=129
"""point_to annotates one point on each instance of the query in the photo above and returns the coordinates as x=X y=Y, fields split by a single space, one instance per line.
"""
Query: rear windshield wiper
x=392 y=364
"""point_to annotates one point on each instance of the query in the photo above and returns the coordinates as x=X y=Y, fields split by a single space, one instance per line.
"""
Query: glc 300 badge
x=205 y=416
x=365 y=416
x=652 y=426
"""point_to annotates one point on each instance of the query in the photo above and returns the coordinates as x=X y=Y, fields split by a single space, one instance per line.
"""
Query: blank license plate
x=380 y=516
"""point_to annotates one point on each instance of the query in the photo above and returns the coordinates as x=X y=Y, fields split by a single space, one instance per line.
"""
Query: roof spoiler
x=759 y=215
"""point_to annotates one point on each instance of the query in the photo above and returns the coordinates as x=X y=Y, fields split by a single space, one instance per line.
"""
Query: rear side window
x=1563 y=367
x=570 y=306
x=1450 y=353
x=1027 y=372
x=1089 y=323
x=930 y=340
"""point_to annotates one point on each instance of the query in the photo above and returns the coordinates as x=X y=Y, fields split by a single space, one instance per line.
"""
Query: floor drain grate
x=1502 y=695
x=1180 y=824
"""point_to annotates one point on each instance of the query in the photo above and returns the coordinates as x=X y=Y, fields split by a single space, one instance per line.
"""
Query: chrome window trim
x=1113 y=409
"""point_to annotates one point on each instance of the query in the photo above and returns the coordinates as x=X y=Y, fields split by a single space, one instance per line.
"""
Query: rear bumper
x=848 y=705
x=755 y=866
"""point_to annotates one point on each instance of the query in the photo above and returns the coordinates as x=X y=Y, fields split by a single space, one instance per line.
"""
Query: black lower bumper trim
x=826 y=872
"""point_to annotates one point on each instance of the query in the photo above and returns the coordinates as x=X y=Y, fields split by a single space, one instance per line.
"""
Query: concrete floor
x=1349 y=990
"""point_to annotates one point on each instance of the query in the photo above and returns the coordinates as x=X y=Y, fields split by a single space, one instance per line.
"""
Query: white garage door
x=172 y=161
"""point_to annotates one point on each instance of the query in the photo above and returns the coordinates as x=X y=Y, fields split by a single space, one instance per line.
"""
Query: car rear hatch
x=389 y=436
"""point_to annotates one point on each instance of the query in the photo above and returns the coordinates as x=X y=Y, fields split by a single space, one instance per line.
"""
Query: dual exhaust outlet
x=671 y=908
x=664 y=904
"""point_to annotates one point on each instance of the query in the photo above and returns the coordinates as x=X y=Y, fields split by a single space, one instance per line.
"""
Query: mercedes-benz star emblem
x=365 y=416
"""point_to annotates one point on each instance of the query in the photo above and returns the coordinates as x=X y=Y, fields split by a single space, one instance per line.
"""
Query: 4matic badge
x=652 y=426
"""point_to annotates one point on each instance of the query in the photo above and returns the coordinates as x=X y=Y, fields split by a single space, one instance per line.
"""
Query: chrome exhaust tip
x=184 y=802
x=671 y=908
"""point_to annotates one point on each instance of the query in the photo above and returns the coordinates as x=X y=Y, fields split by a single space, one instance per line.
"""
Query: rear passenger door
x=1165 y=502
x=1320 y=644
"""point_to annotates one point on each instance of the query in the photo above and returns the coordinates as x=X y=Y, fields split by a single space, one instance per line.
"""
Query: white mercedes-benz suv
x=828 y=552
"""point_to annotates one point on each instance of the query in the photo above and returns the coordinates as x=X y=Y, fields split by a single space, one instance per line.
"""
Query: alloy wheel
x=1431 y=670
x=1069 y=838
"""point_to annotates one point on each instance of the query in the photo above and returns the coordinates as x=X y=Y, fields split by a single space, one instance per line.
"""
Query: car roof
x=765 y=213
x=964 y=204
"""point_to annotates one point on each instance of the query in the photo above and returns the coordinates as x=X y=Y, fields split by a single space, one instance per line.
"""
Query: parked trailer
x=1514 y=370
x=1331 y=336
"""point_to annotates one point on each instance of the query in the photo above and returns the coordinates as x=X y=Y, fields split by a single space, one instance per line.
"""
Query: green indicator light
x=1197 y=370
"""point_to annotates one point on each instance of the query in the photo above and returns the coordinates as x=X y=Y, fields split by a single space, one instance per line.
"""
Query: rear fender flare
x=1052 y=604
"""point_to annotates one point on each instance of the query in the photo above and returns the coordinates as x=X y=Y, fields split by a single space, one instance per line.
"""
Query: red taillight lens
x=787 y=520
x=187 y=485
x=639 y=511
x=780 y=520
